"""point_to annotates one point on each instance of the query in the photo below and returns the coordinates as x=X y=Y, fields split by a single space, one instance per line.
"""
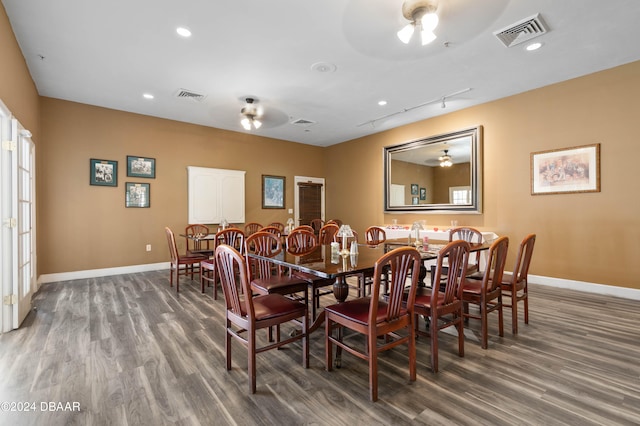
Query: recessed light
x=533 y=46
x=382 y=103
x=184 y=32
x=148 y=96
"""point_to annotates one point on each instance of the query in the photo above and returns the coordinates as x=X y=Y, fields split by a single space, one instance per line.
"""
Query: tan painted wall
x=587 y=237
x=87 y=227
x=17 y=90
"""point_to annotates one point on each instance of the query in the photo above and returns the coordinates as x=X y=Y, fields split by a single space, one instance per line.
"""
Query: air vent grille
x=303 y=122
x=522 y=31
x=189 y=94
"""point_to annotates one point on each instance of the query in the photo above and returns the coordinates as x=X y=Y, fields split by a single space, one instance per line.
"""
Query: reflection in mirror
x=437 y=174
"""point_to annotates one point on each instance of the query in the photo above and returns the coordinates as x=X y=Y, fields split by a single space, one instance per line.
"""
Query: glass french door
x=17 y=186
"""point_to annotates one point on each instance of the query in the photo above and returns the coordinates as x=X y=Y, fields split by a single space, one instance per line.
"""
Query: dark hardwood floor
x=130 y=351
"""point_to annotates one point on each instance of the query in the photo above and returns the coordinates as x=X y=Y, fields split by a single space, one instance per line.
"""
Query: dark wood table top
x=321 y=263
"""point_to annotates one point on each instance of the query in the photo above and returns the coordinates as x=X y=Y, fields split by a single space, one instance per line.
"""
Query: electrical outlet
x=290 y=211
x=148 y=247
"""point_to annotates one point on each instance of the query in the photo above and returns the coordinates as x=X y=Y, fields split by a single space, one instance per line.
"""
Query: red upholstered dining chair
x=278 y=225
x=515 y=285
x=233 y=237
x=195 y=245
x=245 y=313
x=375 y=317
x=178 y=260
x=267 y=277
x=251 y=227
x=335 y=221
x=375 y=235
x=301 y=242
x=316 y=224
x=487 y=292
x=327 y=233
x=441 y=305
x=472 y=236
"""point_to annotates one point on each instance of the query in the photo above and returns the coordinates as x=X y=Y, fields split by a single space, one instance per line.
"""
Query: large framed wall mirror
x=446 y=168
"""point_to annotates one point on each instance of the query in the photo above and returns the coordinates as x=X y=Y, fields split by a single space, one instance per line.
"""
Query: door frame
x=296 y=195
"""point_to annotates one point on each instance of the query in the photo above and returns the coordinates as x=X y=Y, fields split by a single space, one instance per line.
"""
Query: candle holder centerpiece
x=416 y=227
x=345 y=232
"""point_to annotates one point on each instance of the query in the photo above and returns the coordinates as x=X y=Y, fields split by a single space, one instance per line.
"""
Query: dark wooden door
x=309 y=202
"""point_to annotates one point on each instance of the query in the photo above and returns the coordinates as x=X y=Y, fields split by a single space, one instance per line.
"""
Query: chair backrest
x=307 y=227
x=171 y=240
x=468 y=234
x=233 y=237
x=263 y=244
x=496 y=259
x=456 y=254
x=375 y=235
x=197 y=229
x=335 y=221
x=278 y=225
x=316 y=224
x=272 y=229
x=523 y=260
x=251 y=227
x=403 y=262
x=230 y=264
x=301 y=241
x=327 y=233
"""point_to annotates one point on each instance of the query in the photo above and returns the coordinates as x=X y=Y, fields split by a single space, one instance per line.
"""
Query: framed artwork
x=103 y=172
x=414 y=201
x=273 y=192
x=567 y=170
x=414 y=189
x=137 y=195
x=423 y=193
x=141 y=167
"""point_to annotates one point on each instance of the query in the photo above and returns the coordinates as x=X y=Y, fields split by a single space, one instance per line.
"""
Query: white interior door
x=17 y=187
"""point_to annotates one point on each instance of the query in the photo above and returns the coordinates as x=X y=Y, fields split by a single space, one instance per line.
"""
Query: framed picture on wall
x=423 y=193
x=414 y=189
x=567 y=170
x=103 y=172
x=273 y=188
x=414 y=201
x=137 y=195
x=141 y=167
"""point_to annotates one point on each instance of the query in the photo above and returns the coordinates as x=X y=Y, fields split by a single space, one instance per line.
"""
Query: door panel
x=309 y=199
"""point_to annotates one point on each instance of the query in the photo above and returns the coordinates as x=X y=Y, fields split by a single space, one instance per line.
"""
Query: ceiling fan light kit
x=422 y=15
x=250 y=114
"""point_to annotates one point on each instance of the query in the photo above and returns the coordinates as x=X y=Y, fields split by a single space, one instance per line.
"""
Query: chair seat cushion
x=208 y=264
x=358 y=310
x=274 y=305
x=423 y=297
x=278 y=284
x=472 y=286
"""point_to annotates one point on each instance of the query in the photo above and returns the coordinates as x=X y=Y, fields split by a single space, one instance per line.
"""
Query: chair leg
x=500 y=317
x=484 y=325
x=514 y=313
x=227 y=345
x=328 y=347
x=433 y=330
x=251 y=359
x=460 y=328
x=373 y=368
x=526 y=306
x=412 y=353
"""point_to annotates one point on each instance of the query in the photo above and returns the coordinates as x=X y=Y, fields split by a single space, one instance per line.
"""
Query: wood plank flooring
x=132 y=352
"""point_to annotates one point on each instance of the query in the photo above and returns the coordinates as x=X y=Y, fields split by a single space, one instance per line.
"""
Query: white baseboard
x=627 y=293
x=93 y=273
x=609 y=290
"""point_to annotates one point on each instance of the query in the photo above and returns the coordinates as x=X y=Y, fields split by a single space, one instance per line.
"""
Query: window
x=460 y=195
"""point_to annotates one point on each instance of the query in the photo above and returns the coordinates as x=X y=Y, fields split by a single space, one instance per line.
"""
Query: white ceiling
x=108 y=53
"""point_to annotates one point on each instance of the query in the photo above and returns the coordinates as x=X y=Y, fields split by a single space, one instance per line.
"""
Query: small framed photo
x=568 y=170
x=141 y=167
x=137 y=195
x=414 y=189
x=273 y=192
x=103 y=172
x=414 y=201
x=423 y=193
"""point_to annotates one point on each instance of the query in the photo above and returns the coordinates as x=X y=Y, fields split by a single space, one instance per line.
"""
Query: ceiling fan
x=445 y=160
x=251 y=114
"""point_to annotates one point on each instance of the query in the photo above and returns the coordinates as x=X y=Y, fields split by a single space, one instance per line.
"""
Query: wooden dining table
x=336 y=268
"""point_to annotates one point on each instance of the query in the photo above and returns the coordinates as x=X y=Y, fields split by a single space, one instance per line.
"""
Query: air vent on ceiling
x=522 y=31
x=303 y=122
x=188 y=94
